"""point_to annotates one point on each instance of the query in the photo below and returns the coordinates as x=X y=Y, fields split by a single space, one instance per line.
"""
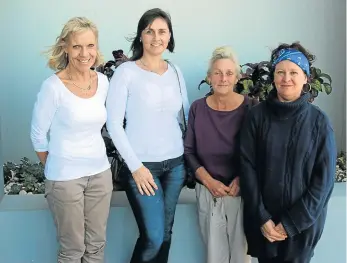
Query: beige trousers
x=221 y=225
x=80 y=210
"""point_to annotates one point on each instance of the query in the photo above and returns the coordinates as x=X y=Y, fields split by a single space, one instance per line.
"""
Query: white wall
x=251 y=27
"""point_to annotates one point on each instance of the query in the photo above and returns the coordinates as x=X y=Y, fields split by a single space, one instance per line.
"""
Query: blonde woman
x=70 y=109
x=211 y=151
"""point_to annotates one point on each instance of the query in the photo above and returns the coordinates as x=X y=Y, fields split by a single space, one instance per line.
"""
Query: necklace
x=85 y=90
x=149 y=67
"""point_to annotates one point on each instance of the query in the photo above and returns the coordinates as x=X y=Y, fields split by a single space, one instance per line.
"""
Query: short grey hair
x=224 y=52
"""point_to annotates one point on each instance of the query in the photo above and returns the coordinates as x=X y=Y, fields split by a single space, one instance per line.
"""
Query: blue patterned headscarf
x=294 y=56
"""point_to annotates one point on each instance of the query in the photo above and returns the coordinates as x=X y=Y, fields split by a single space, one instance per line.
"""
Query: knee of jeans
x=155 y=240
x=167 y=235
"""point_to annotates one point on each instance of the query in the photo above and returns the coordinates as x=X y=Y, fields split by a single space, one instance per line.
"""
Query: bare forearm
x=202 y=175
x=42 y=157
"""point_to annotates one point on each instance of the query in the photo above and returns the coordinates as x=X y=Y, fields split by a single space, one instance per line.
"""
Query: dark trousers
x=155 y=214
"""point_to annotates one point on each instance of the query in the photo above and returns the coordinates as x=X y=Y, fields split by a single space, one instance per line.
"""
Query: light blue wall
x=251 y=27
x=1 y=170
x=28 y=236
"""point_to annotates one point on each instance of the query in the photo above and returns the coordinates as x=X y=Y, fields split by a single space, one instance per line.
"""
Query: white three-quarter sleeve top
x=151 y=104
x=69 y=128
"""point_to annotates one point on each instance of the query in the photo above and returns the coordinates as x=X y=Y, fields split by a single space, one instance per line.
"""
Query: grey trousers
x=221 y=225
x=80 y=211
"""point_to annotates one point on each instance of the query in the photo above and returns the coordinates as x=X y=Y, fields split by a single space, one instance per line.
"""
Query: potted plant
x=26 y=177
x=340 y=175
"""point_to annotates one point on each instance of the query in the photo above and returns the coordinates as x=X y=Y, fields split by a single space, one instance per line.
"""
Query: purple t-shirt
x=212 y=137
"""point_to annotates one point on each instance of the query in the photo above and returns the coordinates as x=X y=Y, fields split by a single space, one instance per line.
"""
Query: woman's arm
x=116 y=102
x=249 y=181
x=42 y=157
x=309 y=207
x=215 y=187
x=44 y=111
x=190 y=142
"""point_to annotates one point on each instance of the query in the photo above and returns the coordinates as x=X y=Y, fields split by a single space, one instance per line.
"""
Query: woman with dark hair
x=288 y=157
x=150 y=93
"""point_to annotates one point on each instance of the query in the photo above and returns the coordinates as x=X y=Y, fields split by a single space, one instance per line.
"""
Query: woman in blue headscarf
x=288 y=157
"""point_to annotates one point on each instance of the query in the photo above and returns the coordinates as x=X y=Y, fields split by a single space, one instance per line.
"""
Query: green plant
x=320 y=82
x=107 y=68
x=256 y=82
x=26 y=176
x=341 y=167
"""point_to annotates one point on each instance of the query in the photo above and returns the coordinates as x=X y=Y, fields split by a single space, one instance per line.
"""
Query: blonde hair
x=224 y=52
x=57 y=59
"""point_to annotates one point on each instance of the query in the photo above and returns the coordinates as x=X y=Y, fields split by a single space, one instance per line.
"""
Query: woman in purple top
x=210 y=150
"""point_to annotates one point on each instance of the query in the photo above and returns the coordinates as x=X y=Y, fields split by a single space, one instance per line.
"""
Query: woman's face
x=82 y=50
x=223 y=76
x=289 y=80
x=155 y=37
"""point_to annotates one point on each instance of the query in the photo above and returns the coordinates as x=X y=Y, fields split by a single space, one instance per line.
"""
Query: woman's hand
x=280 y=229
x=271 y=233
x=216 y=188
x=144 y=181
x=42 y=157
x=235 y=187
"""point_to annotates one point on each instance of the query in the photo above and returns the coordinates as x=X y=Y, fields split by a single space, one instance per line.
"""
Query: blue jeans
x=155 y=214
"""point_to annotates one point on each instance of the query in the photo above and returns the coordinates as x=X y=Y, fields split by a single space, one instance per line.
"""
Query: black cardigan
x=288 y=159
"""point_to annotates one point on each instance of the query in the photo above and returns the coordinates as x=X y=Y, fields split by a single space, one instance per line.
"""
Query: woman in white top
x=149 y=93
x=66 y=134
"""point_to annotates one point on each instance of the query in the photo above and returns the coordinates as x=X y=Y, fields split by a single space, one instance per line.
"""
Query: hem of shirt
x=159 y=158
x=79 y=176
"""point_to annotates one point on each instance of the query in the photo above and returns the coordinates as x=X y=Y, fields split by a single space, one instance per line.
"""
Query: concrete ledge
x=38 y=202
x=119 y=199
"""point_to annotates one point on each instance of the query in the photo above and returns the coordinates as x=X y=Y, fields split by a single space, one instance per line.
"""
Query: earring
x=65 y=55
x=140 y=40
x=307 y=88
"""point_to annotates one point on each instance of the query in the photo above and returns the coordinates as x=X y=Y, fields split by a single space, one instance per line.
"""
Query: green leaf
x=316 y=86
x=323 y=75
x=268 y=87
x=328 y=88
x=247 y=84
x=15 y=189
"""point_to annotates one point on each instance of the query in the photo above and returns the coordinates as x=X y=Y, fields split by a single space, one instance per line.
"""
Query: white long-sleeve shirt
x=151 y=104
x=69 y=128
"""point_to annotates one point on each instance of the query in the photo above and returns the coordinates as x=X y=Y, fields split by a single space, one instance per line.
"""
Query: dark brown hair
x=295 y=45
x=147 y=18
